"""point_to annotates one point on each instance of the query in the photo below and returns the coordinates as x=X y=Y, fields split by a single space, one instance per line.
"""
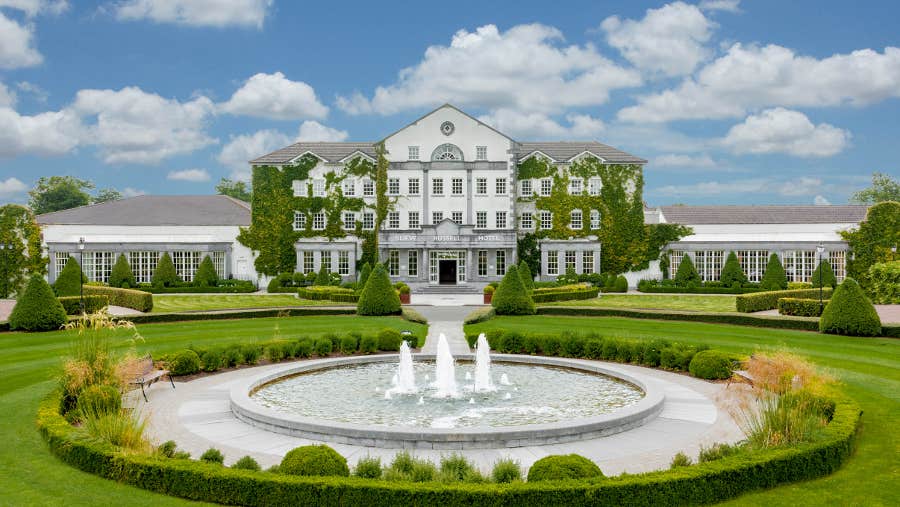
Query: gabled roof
x=147 y=210
x=329 y=152
x=709 y=215
x=564 y=151
x=451 y=106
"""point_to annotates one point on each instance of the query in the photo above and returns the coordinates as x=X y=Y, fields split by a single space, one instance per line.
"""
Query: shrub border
x=570 y=295
x=240 y=314
x=739 y=319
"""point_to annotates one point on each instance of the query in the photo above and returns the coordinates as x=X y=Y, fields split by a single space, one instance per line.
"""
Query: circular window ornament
x=447 y=128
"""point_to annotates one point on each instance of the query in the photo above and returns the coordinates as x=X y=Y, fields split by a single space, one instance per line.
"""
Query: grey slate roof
x=561 y=151
x=331 y=152
x=706 y=215
x=156 y=210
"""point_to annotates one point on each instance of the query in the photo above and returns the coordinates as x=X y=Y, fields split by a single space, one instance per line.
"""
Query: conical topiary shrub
x=121 y=274
x=525 y=275
x=511 y=298
x=732 y=274
x=378 y=297
x=37 y=309
x=823 y=276
x=165 y=274
x=206 y=275
x=687 y=274
x=774 y=278
x=364 y=275
x=68 y=281
x=323 y=277
x=850 y=312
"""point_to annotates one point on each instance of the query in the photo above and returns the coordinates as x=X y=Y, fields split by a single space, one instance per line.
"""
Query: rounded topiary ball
x=712 y=365
x=185 y=362
x=314 y=460
x=561 y=467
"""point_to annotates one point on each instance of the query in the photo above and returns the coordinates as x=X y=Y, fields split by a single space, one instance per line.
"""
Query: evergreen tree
x=121 y=275
x=849 y=312
x=165 y=274
x=37 y=309
x=525 y=274
x=511 y=297
x=732 y=274
x=774 y=278
x=323 y=278
x=687 y=274
x=206 y=275
x=823 y=276
x=69 y=280
x=364 y=275
x=378 y=297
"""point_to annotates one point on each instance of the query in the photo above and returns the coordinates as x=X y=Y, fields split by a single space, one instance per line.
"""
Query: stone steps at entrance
x=446 y=289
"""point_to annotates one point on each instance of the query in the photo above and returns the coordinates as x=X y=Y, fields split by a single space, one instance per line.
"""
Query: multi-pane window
x=325 y=261
x=97 y=265
x=318 y=188
x=500 y=262
x=394 y=262
x=218 y=260
x=552 y=262
x=753 y=263
x=481 y=219
x=480 y=186
x=186 y=264
x=576 y=186
x=709 y=264
x=349 y=187
x=309 y=261
x=595 y=219
x=482 y=263
x=839 y=264
x=675 y=257
x=142 y=265
x=587 y=262
x=59 y=262
x=368 y=221
x=299 y=188
x=570 y=260
x=436 y=217
x=594 y=186
x=299 y=221
x=526 y=188
x=393 y=220
x=546 y=187
x=437 y=186
x=343 y=262
x=500 y=220
x=413 y=219
x=318 y=223
x=456 y=186
x=546 y=220
x=414 y=153
x=412 y=263
x=393 y=186
x=349 y=219
x=368 y=188
x=413 y=186
x=481 y=153
x=575 y=220
x=526 y=221
x=457 y=217
x=500 y=186
x=799 y=264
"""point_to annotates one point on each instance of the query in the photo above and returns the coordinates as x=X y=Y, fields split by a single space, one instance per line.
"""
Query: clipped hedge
x=314 y=460
x=239 y=314
x=224 y=287
x=72 y=304
x=738 y=319
x=705 y=483
x=568 y=295
x=561 y=467
x=328 y=293
x=129 y=298
x=801 y=307
x=667 y=287
x=768 y=300
x=712 y=365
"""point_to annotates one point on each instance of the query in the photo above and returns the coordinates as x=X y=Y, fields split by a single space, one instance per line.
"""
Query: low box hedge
x=801 y=307
x=129 y=298
x=93 y=303
x=739 y=319
x=239 y=314
x=224 y=287
x=328 y=293
x=567 y=295
x=768 y=300
x=669 y=286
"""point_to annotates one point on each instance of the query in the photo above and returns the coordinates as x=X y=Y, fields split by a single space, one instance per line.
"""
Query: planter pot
x=488 y=298
x=404 y=299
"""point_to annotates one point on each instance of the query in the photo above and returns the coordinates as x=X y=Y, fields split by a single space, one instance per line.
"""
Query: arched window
x=447 y=152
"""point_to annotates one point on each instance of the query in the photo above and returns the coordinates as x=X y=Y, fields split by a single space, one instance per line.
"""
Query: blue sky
x=733 y=102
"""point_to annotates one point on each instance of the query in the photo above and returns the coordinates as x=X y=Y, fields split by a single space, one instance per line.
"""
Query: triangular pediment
x=447 y=227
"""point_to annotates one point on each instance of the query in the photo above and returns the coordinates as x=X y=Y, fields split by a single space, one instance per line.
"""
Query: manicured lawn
x=30 y=475
x=170 y=303
x=869 y=369
x=688 y=302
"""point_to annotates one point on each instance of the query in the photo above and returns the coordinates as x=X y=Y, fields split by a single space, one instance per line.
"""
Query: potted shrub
x=403 y=289
x=488 y=294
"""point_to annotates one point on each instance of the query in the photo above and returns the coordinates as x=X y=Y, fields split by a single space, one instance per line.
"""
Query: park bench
x=146 y=374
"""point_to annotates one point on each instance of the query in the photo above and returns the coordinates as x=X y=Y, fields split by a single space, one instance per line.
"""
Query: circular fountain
x=386 y=401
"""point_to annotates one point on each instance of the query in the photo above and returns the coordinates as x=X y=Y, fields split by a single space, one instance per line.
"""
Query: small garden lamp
x=820 y=249
x=80 y=268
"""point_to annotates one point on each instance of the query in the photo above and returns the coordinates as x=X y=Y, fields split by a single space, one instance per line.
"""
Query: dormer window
x=447 y=152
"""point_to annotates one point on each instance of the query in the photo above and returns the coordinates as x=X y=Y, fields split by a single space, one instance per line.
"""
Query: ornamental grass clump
x=511 y=297
x=505 y=471
x=368 y=468
x=120 y=429
x=849 y=312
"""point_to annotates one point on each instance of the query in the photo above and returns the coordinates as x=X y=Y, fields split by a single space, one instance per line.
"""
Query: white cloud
x=194 y=175
x=820 y=200
x=276 y=97
x=132 y=192
x=216 y=13
x=7 y=96
x=802 y=186
x=17 y=45
x=32 y=89
x=751 y=77
x=34 y=7
x=49 y=133
x=315 y=131
x=538 y=125
x=781 y=130
x=680 y=160
x=133 y=126
x=525 y=68
x=11 y=186
x=669 y=40
x=721 y=5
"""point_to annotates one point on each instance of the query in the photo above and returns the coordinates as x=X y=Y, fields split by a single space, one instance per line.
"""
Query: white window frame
x=481 y=219
x=500 y=219
x=413 y=152
x=457 y=217
x=412 y=263
x=456 y=186
x=526 y=188
x=546 y=187
x=526 y=221
x=349 y=188
x=319 y=221
x=576 y=220
x=576 y=186
x=393 y=186
x=325 y=260
x=343 y=262
x=309 y=261
x=500 y=262
x=437 y=186
x=500 y=186
x=546 y=220
x=393 y=262
x=595 y=220
x=480 y=186
x=368 y=220
x=393 y=220
x=481 y=153
x=413 y=187
x=368 y=188
x=348 y=218
x=594 y=186
x=553 y=262
x=413 y=220
x=318 y=188
x=587 y=262
x=437 y=217
x=482 y=263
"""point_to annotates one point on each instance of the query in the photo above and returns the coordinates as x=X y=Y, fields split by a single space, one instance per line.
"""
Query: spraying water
x=444 y=370
x=483 y=380
x=406 y=377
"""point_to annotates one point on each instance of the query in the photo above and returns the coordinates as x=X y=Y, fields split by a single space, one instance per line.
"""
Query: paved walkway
x=449 y=321
x=889 y=314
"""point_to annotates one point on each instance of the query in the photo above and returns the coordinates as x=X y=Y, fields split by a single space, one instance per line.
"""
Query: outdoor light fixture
x=81 y=271
x=820 y=249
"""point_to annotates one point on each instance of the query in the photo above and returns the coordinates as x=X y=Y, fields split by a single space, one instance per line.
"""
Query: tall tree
x=21 y=255
x=58 y=193
x=237 y=189
x=106 y=195
x=873 y=241
x=884 y=188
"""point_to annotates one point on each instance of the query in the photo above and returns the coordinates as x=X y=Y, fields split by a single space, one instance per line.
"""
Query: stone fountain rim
x=637 y=414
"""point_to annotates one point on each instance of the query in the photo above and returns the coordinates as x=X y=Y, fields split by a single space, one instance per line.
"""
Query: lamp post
x=820 y=249
x=81 y=271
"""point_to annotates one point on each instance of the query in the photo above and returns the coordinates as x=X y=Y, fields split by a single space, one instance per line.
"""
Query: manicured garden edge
x=546 y=297
x=239 y=314
x=699 y=484
x=698 y=290
x=768 y=300
x=129 y=298
x=230 y=289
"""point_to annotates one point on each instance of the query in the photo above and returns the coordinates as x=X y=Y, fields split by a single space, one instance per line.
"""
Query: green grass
x=868 y=368
x=687 y=302
x=30 y=475
x=169 y=303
